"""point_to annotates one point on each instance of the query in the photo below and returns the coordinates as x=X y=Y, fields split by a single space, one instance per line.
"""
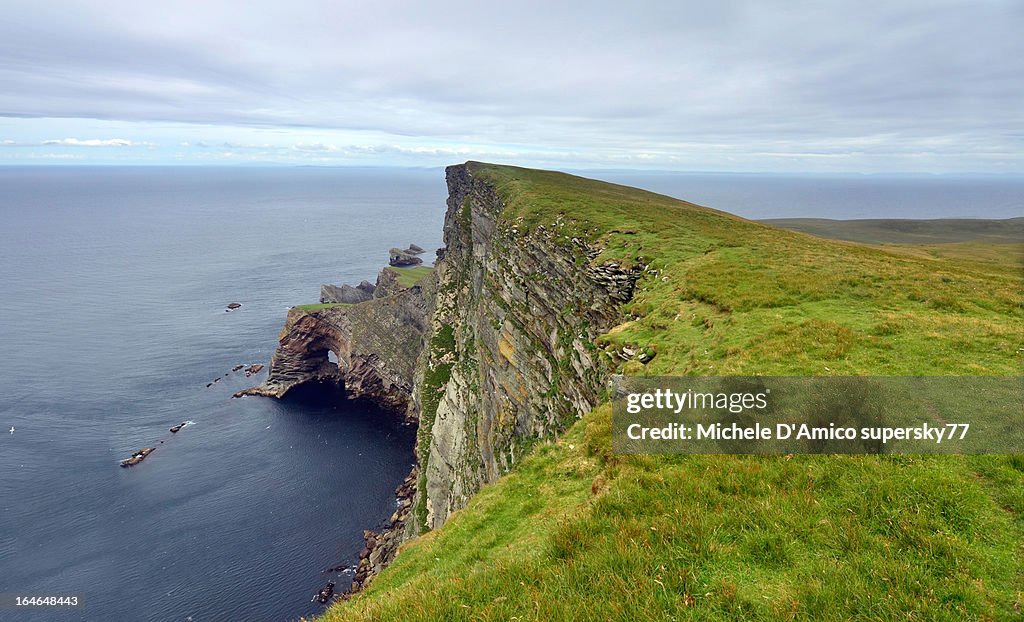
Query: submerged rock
x=382 y=547
x=137 y=457
x=233 y=306
x=325 y=592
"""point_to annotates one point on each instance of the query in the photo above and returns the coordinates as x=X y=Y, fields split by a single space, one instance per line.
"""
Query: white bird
x=12 y=429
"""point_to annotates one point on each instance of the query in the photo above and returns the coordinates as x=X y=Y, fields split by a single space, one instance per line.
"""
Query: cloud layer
x=96 y=142
x=916 y=85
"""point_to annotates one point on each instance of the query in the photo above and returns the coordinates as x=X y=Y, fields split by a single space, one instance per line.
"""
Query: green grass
x=579 y=533
x=321 y=305
x=409 y=277
x=732 y=296
x=900 y=231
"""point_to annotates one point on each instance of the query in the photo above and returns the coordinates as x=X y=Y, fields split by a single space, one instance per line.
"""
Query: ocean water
x=841 y=197
x=113 y=285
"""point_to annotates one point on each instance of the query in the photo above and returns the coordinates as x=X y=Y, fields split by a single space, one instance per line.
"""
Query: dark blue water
x=113 y=285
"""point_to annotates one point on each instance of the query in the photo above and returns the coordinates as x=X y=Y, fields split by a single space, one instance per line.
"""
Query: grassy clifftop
x=736 y=297
x=578 y=533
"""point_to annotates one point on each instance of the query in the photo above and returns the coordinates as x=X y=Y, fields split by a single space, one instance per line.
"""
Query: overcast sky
x=929 y=86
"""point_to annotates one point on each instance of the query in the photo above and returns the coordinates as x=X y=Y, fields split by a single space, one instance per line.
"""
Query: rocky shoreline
x=382 y=546
x=368 y=340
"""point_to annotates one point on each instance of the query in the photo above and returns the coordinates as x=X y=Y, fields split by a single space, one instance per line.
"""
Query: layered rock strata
x=346 y=293
x=399 y=257
x=376 y=345
x=511 y=358
x=491 y=353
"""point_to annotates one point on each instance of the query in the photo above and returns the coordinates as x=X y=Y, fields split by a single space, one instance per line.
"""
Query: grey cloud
x=745 y=76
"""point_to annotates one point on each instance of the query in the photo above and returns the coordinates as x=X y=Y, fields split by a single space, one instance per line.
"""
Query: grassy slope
x=899 y=231
x=407 y=277
x=316 y=306
x=990 y=241
x=579 y=533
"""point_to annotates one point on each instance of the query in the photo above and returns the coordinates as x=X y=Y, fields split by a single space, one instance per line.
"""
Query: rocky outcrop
x=511 y=358
x=376 y=345
x=346 y=293
x=398 y=257
x=387 y=283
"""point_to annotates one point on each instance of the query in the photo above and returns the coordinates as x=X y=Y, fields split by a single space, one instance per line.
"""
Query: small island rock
x=402 y=258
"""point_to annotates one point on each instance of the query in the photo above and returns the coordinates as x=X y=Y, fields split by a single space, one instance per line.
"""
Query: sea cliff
x=375 y=345
x=549 y=282
x=490 y=353
x=512 y=357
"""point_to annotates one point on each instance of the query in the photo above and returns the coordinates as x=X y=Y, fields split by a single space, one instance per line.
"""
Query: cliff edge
x=512 y=358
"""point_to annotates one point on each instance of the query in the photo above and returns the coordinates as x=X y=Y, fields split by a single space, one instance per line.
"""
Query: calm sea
x=113 y=289
x=113 y=284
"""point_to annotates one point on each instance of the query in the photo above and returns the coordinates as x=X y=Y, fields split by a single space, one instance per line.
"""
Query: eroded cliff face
x=377 y=344
x=491 y=353
x=511 y=359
